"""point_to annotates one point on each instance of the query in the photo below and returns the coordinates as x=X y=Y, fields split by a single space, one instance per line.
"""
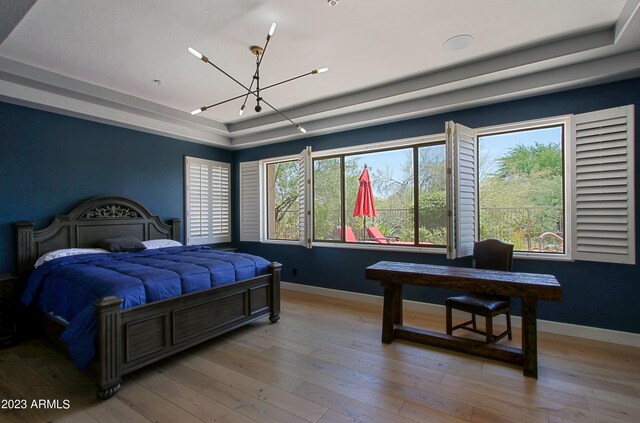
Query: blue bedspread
x=67 y=287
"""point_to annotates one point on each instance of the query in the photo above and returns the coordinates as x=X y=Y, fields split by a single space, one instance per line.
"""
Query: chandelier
x=257 y=93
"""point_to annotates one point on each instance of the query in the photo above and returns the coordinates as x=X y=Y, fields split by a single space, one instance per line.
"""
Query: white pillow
x=161 y=243
x=67 y=252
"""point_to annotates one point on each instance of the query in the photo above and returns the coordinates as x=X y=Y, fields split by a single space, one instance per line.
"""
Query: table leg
x=397 y=306
x=388 y=312
x=529 y=337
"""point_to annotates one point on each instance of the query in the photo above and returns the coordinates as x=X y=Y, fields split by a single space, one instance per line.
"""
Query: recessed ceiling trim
x=508 y=60
x=44 y=80
x=565 y=77
x=66 y=105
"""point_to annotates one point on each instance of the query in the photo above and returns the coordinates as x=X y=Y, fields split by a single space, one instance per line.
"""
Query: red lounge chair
x=349 y=236
x=377 y=236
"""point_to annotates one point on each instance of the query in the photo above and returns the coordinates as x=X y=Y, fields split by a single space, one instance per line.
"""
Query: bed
x=132 y=334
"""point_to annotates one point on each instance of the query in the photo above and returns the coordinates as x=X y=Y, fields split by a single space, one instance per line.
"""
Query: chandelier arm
x=233 y=79
x=287 y=80
x=254 y=94
x=280 y=113
x=261 y=89
x=246 y=96
x=264 y=50
x=226 y=101
x=257 y=79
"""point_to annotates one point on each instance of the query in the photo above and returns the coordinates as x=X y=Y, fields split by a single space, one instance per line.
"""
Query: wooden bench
x=530 y=287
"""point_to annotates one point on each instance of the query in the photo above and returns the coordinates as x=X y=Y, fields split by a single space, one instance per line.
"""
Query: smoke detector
x=333 y=2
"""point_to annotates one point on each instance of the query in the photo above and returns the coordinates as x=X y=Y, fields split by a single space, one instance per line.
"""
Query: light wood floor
x=324 y=362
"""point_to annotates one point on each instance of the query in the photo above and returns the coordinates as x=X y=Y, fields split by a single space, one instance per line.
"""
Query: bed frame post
x=274 y=296
x=175 y=225
x=25 y=250
x=109 y=346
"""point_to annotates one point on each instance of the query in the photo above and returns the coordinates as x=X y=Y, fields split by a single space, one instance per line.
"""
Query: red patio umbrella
x=365 y=205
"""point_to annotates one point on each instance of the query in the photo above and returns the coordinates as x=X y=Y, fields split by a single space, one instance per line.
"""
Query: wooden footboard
x=132 y=338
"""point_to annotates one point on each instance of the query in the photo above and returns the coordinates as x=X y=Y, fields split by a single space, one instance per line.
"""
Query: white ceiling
x=99 y=59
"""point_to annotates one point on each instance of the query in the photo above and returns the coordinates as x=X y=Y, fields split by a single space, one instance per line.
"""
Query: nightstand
x=8 y=309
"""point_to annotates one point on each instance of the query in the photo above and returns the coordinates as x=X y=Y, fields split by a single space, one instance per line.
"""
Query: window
x=521 y=197
x=279 y=210
x=283 y=200
x=432 y=204
x=207 y=201
x=406 y=204
x=545 y=195
x=556 y=188
x=327 y=199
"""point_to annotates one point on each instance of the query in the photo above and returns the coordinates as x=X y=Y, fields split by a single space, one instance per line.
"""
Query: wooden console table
x=530 y=287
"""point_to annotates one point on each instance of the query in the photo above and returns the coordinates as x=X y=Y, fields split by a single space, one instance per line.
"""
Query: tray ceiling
x=101 y=60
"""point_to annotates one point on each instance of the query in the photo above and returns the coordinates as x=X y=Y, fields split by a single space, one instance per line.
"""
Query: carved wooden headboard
x=89 y=222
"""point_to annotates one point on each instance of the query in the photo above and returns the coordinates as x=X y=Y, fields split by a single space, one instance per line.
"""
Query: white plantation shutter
x=305 y=197
x=208 y=201
x=197 y=201
x=220 y=202
x=462 y=190
x=603 y=180
x=250 y=223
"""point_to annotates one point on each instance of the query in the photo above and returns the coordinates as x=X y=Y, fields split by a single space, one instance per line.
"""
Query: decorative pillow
x=120 y=245
x=161 y=243
x=67 y=252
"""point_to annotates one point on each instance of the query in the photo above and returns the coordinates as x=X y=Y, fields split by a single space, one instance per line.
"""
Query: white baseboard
x=567 y=329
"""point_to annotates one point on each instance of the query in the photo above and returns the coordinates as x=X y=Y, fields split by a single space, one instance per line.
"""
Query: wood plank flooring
x=324 y=362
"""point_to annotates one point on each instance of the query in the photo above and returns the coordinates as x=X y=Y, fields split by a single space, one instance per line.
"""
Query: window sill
x=542 y=256
x=411 y=249
x=380 y=247
x=360 y=246
x=280 y=241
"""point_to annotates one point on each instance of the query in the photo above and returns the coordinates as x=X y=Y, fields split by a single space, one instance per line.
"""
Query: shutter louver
x=603 y=200
x=220 y=225
x=250 y=228
x=198 y=204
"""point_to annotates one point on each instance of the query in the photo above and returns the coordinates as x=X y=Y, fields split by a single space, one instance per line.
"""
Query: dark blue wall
x=594 y=294
x=50 y=162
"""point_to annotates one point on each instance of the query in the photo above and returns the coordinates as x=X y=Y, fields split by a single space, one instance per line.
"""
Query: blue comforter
x=67 y=287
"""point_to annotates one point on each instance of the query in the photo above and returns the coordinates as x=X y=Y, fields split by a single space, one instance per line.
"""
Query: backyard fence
x=521 y=226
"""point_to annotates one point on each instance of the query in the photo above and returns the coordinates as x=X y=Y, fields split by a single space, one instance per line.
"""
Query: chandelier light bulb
x=195 y=52
x=323 y=70
x=301 y=129
x=272 y=29
x=241 y=112
x=196 y=111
